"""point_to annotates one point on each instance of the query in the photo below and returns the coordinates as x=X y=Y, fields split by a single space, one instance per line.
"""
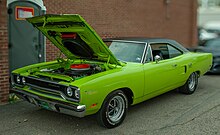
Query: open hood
x=74 y=37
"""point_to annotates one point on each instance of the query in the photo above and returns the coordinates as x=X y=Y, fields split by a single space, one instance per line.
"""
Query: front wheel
x=113 y=110
x=190 y=86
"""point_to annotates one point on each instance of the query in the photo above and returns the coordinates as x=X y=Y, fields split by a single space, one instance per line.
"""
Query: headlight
x=72 y=92
x=77 y=92
x=23 y=80
x=18 y=79
x=69 y=91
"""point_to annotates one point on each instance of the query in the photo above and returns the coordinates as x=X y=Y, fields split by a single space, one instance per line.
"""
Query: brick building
x=175 y=19
x=4 y=66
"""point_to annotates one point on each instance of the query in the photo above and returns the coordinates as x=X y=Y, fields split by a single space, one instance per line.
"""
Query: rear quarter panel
x=202 y=62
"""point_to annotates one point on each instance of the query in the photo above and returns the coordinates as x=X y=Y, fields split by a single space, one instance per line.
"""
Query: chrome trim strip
x=149 y=47
x=144 y=53
x=44 y=80
x=127 y=41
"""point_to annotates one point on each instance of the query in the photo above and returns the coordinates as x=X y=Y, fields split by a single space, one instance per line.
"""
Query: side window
x=165 y=51
x=173 y=52
x=161 y=50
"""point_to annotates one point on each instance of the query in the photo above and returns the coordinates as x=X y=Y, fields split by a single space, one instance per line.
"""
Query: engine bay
x=75 y=71
x=79 y=70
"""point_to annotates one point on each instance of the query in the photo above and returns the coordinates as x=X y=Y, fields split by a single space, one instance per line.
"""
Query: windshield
x=127 y=51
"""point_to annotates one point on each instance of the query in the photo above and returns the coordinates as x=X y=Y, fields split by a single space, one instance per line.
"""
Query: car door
x=180 y=63
x=162 y=76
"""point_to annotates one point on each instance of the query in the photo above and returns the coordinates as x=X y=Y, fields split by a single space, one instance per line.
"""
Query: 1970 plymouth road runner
x=101 y=80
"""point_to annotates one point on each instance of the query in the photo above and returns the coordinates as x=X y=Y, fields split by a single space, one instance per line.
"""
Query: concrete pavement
x=170 y=114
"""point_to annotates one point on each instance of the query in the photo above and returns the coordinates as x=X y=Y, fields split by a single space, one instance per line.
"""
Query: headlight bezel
x=69 y=91
x=74 y=92
x=17 y=79
x=77 y=93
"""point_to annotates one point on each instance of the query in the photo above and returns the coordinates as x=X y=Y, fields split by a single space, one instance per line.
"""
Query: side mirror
x=157 y=58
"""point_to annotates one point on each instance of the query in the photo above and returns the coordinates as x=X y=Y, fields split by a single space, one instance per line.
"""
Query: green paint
x=143 y=80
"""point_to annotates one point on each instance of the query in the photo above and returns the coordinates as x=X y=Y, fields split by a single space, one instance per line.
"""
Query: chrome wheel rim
x=116 y=109
x=192 y=82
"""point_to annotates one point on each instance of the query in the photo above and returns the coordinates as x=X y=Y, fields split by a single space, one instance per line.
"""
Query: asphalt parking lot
x=171 y=113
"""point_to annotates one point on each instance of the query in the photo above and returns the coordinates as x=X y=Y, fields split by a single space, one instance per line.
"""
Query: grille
x=44 y=84
x=47 y=87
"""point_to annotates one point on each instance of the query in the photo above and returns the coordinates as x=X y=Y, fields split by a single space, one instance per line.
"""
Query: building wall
x=175 y=19
x=208 y=12
x=4 y=77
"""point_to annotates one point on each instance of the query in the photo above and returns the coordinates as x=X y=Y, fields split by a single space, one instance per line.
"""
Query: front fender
x=94 y=92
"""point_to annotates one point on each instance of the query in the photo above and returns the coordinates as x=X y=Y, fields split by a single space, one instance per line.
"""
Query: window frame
x=135 y=42
x=146 y=54
x=176 y=49
x=165 y=43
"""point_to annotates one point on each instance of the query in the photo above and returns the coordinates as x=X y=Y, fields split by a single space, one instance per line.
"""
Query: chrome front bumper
x=51 y=104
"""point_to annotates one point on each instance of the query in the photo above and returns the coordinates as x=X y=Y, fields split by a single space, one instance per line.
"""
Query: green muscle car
x=104 y=77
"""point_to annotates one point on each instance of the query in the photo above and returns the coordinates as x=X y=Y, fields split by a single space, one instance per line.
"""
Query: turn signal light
x=93 y=105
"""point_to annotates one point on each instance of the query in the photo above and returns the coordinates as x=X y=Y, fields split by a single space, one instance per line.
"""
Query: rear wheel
x=113 y=110
x=190 y=86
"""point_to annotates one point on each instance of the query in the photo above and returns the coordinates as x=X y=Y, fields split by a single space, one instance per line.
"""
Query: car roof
x=149 y=40
x=140 y=39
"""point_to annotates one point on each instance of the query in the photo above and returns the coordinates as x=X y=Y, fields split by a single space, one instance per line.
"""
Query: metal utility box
x=26 y=43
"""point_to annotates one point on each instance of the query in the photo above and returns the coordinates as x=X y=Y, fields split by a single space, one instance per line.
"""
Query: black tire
x=113 y=110
x=191 y=84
